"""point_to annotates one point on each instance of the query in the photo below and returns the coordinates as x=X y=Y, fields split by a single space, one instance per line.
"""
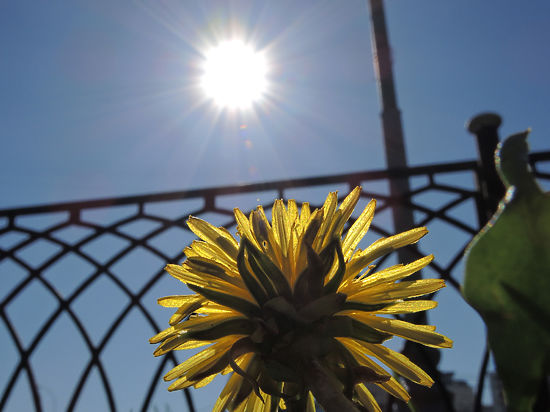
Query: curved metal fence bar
x=33 y=253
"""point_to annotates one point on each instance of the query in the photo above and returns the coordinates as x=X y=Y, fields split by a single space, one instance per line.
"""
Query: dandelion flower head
x=294 y=306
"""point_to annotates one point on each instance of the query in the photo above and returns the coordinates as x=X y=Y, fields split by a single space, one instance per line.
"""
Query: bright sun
x=234 y=75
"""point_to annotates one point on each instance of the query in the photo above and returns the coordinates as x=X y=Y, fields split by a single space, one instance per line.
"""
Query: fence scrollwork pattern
x=80 y=280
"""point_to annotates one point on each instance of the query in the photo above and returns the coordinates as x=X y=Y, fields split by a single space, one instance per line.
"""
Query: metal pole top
x=482 y=121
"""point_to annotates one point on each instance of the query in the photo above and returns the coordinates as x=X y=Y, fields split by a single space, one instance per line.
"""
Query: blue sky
x=100 y=98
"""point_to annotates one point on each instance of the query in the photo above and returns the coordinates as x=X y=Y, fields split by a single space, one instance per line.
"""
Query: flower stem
x=323 y=388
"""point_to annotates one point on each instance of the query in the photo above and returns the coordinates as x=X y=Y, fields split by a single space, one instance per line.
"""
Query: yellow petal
x=337 y=220
x=206 y=268
x=405 y=330
x=213 y=265
x=268 y=401
x=242 y=362
x=310 y=406
x=398 y=308
x=207 y=281
x=192 y=344
x=304 y=215
x=260 y=228
x=391 y=386
x=255 y=404
x=261 y=211
x=166 y=333
x=342 y=215
x=201 y=361
x=289 y=268
x=396 y=272
x=229 y=391
x=272 y=249
x=242 y=405
x=408 y=306
x=211 y=308
x=170 y=344
x=396 y=241
x=292 y=211
x=281 y=225
x=186 y=309
x=204 y=381
x=329 y=208
x=395 y=389
x=358 y=230
x=399 y=363
x=232 y=386
x=227 y=234
x=175 y=301
x=212 y=252
x=427 y=327
x=380 y=248
x=215 y=236
x=366 y=398
x=388 y=293
x=350 y=201
x=244 y=228
x=388 y=275
x=197 y=323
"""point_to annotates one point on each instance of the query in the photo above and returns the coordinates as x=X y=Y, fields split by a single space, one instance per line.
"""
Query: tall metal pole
x=485 y=127
x=396 y=157
x=402 y=216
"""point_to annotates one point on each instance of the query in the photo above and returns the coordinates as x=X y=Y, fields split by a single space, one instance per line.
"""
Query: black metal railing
x=74 y=274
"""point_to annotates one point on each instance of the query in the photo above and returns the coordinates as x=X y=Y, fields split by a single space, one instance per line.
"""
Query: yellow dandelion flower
x=294 y=312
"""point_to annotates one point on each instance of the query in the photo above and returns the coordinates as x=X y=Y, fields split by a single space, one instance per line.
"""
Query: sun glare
x=234 y=75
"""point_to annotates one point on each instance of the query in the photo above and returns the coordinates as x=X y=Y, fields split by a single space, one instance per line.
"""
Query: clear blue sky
x=100 y=98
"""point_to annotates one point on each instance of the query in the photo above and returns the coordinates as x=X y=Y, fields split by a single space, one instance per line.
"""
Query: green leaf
x=269 y=385
x=324 y=306
x=312 y=228
x=283 y=307
x=242 y=346
x=253 y=286
x=258 y=271
x=249 y=383
x=281 y=372
x=537 y=313
x=507 y=278
x=309 y=285
x=334 y=282
x=338 y=326
x=267 y=272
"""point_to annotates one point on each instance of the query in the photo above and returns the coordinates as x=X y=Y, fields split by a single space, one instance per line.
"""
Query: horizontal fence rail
x=80 y=279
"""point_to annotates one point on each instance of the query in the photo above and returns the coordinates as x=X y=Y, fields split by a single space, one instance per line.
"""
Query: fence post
x=485 y=128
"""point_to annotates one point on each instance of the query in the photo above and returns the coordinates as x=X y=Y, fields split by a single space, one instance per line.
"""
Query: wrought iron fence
x=74 y=275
